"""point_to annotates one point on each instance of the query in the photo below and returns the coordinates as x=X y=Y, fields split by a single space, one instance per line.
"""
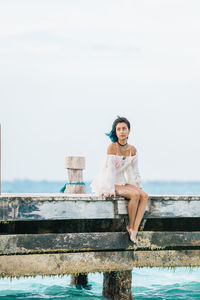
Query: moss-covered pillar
x=117 y=285
x=80 y=280
x=75 y=166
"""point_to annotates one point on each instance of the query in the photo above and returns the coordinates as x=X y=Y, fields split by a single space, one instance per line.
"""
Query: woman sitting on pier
x=120 y=175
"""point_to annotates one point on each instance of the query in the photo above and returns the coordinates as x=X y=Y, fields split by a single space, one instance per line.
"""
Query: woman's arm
x=104 y=183
x=133 y=174
x=109 y=183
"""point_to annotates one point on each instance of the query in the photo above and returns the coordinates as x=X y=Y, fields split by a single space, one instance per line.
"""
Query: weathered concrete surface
x=75 y=166
x=88 y=262
x=54 y=209
x=117 y=285
x=75 y=162
x=65 y=226
x=95 y=241
x=66 y=263
x=168 y=206
x=167 y=258
x=31 y=197
x=88 y=206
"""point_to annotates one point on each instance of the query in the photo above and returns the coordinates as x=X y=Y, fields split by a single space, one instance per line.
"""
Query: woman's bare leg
x=133 y=195
x=141 y=206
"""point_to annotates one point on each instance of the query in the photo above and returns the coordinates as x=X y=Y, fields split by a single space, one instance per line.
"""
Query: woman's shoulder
x=111 y=149
x=133 y=150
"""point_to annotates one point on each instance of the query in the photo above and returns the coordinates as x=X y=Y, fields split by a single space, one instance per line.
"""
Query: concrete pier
x=77 y=234
x=83 y=233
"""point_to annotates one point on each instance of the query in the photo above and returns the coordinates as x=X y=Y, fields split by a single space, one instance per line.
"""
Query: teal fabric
x=62 y=190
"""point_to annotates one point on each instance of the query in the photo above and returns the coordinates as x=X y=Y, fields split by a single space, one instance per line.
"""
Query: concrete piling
x=117 y=285
x=75 y=166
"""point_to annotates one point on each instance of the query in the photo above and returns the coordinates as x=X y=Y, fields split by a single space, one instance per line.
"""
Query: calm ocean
x=154 y=283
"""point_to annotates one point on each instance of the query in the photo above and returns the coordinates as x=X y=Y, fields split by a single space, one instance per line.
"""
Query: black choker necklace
x=121 y=144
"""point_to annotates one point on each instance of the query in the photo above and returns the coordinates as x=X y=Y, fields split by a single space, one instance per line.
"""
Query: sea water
x=147 y=283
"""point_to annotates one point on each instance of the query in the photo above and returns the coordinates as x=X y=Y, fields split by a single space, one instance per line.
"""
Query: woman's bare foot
x=132 y=234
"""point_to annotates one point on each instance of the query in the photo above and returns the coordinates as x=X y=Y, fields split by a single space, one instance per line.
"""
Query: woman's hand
x=109 y=195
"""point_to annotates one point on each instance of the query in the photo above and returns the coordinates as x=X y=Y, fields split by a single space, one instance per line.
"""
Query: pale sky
x=68 y=68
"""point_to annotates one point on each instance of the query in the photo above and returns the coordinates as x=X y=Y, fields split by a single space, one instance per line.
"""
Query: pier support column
x=75 y=166
x=117 y=285
x=80 y=280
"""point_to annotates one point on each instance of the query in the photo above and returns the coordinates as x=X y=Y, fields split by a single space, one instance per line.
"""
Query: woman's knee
x=144 y=196
x=135 y=195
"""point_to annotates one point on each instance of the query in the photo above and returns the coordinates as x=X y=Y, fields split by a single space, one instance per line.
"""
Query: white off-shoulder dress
x=117 y=169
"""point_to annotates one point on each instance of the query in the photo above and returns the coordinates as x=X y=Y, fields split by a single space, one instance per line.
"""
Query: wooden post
x=75 y=166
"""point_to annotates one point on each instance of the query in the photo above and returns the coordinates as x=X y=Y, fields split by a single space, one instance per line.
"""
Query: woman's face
x=122 y=131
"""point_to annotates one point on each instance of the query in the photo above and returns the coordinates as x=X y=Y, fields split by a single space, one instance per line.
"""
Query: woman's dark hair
x=112 y=134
